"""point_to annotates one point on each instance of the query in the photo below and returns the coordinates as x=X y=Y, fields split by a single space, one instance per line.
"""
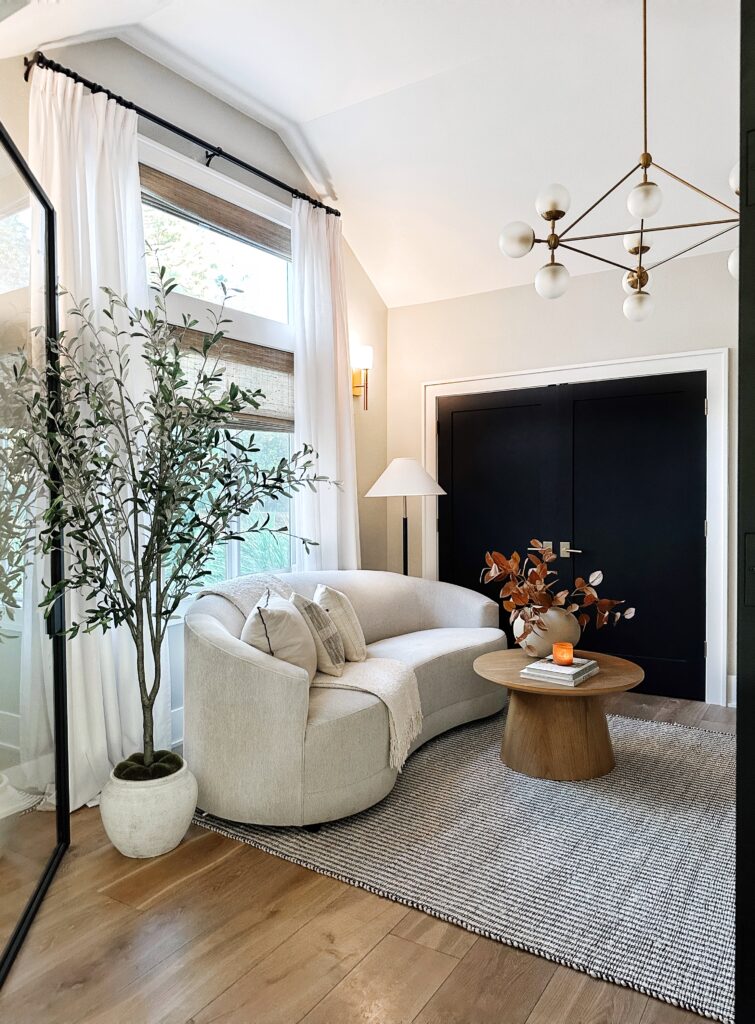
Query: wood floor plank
x=493 y=984
x=437 y=934
x=574 y=998
x=142 y=888
x=389 y=986
x=280 y=898
x=657 y=1012
x=303 y=969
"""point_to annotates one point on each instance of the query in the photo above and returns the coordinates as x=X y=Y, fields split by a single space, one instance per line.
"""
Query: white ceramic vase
x=561 y=627
x=146 y=819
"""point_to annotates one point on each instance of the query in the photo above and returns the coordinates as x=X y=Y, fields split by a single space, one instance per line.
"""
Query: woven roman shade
x=175 y=196
x=252 y=367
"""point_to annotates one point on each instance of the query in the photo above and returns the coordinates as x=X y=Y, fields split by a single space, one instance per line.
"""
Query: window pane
x=265 y=551
x=202 y=259
x=15 y=248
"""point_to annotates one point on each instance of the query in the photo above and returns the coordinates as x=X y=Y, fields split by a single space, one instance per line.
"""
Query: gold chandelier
x=643 y=202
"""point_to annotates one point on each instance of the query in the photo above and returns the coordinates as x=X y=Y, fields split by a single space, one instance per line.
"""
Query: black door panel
x=615 y=467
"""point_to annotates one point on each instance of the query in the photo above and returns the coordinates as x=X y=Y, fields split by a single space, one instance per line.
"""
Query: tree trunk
x=149 y=743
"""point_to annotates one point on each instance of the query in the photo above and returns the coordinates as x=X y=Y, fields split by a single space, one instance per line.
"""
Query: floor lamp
x=402 y=479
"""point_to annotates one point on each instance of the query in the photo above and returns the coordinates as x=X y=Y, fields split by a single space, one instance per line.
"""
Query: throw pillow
x=341 y=610
x=277 y=627
x=328 y=643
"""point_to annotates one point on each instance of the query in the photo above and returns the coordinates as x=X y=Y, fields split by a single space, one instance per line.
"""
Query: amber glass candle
x=563 y=654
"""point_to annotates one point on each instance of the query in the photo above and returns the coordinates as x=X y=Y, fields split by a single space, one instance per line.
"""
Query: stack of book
x=546 y=671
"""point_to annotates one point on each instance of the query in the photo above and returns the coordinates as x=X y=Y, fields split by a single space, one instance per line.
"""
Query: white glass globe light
x=551 y=281
x=734 y=178
x=638 y=306
x=644 y=200
x=626 y=285
x=632 y=242
x=733 y=263
x=552 y=199
x=516 y=239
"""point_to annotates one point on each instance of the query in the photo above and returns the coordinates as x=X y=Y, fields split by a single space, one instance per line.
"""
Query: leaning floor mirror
x=33 y=762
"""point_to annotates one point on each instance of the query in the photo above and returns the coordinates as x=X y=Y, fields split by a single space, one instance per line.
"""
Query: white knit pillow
x=277 y=627
x=341 y=610
x=328 y=643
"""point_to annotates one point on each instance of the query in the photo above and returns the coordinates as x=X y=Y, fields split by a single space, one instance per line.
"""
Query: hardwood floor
x=217 y=931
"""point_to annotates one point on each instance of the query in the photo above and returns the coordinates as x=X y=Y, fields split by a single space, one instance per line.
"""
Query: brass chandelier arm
x=664 y=227
x=691 y=247
x=602 y=259
x=644 y=77
x=599 y=201
x=683 y=181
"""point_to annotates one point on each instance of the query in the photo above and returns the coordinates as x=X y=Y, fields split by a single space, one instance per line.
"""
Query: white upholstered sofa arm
x=446 y=605
x=245 y=717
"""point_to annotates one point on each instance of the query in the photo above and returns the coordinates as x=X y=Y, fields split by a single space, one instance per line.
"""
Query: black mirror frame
x=56 y=621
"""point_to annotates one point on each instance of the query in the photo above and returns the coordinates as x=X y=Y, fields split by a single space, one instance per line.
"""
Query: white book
x=578 y=666
x=557 y=680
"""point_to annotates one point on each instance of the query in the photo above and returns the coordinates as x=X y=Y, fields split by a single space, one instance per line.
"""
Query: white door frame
x=715 y=362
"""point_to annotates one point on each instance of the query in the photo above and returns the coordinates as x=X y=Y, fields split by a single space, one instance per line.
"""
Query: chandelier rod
x=665 y=227
x=593 y=256
x=599 y=201
x=645 y=79
x=691 y=247
x=683 y=181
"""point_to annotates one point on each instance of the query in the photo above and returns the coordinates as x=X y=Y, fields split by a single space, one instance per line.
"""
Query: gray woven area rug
x=629 y=878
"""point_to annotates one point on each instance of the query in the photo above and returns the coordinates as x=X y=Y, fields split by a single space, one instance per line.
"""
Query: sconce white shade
x=551 y=281
x=644 y=200
x=733 y=263
x=552 y=199
x=516 y=239
x=404 y=478
x=362 y=357
x=638 y=306
x=734 y=178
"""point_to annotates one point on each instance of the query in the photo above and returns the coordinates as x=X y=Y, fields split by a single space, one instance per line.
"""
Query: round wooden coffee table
x=552 y=731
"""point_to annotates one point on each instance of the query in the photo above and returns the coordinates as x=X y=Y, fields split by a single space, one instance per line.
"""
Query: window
x=205 y=241
x=15 y=246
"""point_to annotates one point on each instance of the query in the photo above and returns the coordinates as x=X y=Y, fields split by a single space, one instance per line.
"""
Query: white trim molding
x=715 y=363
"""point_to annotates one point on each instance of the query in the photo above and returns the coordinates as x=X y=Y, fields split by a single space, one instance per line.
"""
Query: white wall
x=513 y=329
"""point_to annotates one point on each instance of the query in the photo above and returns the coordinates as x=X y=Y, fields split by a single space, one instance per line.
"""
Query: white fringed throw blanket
x=396 y=685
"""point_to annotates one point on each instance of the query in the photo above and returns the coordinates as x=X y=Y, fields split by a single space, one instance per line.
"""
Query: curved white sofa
x=266 y=748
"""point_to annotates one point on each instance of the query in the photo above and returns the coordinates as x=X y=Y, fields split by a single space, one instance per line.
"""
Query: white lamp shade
x=632 y=242
x=627 y=286
x=404 y=478
x=638 y=306
x=516 y=239
x=733 y=263
x=361 y=357
x=552 y=199
x=734 y=178
x=551 y=281
x=644 y=200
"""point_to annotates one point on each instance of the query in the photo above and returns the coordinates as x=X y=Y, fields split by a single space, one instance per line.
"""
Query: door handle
x=565 y=551
x=546 y=544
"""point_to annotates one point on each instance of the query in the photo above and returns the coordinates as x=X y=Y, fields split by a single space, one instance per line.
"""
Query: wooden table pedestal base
x=552 y=737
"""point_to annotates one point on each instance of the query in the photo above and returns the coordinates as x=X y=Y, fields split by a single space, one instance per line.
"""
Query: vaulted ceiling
x=434 y=122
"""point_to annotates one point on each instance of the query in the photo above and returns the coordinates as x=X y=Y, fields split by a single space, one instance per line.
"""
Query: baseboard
x=731 y=691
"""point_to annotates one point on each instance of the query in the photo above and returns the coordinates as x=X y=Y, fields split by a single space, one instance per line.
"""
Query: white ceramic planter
x=561 y=627
x=146 y=819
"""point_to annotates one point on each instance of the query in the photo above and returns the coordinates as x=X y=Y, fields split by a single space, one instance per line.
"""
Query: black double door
x=614 y=470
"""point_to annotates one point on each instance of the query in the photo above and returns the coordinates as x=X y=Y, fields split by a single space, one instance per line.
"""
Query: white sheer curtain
x=323 y=413
x=83 y=150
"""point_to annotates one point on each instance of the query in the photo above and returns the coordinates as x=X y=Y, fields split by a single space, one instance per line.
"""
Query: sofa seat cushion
x=347 y=737
x=442 y=661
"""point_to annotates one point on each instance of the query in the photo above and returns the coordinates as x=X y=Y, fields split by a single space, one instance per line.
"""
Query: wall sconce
x=361 y=364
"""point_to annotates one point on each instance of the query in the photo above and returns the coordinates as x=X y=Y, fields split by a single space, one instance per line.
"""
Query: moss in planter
x=133 y=769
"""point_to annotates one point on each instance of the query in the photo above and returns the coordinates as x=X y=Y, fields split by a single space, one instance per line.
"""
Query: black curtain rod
x=211 y=152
